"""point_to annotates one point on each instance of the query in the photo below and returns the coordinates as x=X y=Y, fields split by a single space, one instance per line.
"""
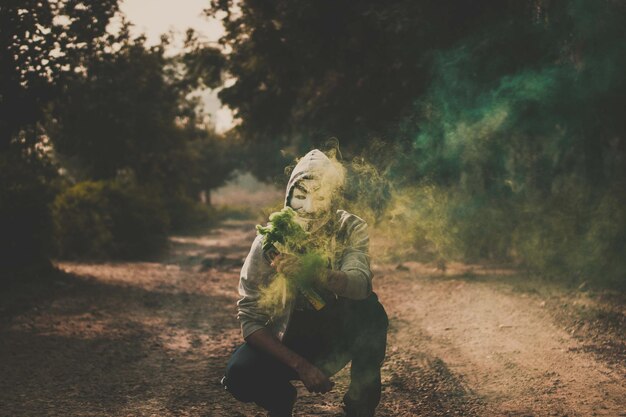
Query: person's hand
x=313 y=378
x=286 y=264
x=306 y=270
x=336 y=281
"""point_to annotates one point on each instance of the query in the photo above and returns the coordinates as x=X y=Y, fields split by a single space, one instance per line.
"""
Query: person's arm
x=254 y=274
x=254 y=321
x=353 y=279
x=312 y=377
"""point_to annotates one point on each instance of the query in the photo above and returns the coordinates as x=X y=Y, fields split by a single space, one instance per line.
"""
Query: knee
x=376 y=316
x=370 y=324
x=237 y=381
x=247 y=382
x=381 y=316
x=368 y=315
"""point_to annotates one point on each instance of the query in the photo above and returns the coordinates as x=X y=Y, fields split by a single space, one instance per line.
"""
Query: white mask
x=311 y=204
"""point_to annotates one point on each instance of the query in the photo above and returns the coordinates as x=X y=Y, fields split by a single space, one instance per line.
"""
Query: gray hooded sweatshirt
x=350 y=244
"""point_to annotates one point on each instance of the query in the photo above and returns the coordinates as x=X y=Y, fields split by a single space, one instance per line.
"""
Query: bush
x=107 y=219
x=572 y=237
x=24 y=214
x=186 y=214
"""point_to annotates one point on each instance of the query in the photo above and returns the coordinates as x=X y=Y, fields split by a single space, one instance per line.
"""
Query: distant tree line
x=505 y=119
x=102 y=152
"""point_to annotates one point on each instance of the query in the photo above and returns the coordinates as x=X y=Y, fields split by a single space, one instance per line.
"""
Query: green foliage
x=130 y=111
x=283 y=233
x=104 y=106
x=212 y=161
x=187 y=214
x=25 y=193
x=307 y=71
x=41 y=43
x=143 y=123
x=100 y=220
x=567 y=238
x=129 y=124
x=283 y=230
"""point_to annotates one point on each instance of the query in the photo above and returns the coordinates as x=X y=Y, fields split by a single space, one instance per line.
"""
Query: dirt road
x=152 y=339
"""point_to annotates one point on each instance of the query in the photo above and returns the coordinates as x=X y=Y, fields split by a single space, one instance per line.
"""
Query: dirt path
x=152 y=339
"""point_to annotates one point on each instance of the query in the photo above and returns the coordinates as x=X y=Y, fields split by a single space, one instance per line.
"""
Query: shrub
x=108 y=219
x=572 y=237
x=25 y=222
x=186 y=214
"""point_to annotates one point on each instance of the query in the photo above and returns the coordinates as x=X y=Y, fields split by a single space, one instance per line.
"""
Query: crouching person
x=311 y=339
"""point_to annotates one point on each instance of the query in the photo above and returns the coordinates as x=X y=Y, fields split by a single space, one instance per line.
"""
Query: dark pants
x=343 y=331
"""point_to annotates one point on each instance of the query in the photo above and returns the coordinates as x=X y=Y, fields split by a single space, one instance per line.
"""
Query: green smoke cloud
x=522 y=134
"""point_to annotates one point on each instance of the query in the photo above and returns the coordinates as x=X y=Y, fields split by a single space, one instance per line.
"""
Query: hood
x=316 y=165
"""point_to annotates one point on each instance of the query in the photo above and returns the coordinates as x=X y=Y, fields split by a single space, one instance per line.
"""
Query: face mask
x=311 y=204
x=312 y=225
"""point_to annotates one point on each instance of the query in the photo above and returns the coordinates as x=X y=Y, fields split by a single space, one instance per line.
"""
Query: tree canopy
x=43 y=44
x=307 y=71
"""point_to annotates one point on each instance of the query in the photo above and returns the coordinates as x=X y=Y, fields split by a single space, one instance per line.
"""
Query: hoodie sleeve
x=355 y=260
x=255 y=272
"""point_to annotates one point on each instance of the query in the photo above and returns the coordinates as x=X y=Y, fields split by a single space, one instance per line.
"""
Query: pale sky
x=155 y=17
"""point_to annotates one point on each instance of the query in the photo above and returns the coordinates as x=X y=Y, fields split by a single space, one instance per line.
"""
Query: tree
x=129 y=111
x=132 y=112
x=42 y=46
x=306 y=71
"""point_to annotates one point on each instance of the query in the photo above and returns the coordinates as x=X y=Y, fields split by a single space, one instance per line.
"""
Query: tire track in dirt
x=503 y=345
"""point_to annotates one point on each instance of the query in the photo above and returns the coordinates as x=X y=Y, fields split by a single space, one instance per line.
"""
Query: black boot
x=353 y=408
x=271 y=414
x=287 y=410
